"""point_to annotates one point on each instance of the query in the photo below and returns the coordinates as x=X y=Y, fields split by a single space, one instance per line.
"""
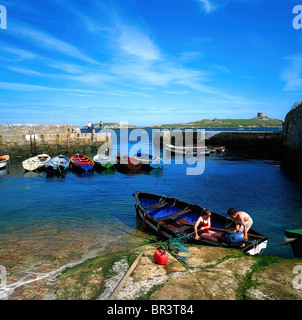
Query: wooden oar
x=230 y=231
x=125 y=278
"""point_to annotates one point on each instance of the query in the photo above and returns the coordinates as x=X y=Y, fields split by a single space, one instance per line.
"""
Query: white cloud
x=208 y=6
x=135 y=43
x=292 y=73
x=212 y=5
x=47 y=42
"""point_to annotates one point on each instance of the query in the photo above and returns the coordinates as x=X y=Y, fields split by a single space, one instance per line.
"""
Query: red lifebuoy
x=160 y=256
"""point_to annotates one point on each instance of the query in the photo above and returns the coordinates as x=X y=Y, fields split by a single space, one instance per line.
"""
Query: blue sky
x=148 y=61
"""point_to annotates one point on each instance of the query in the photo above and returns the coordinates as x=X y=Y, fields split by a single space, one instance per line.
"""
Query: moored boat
x=4 y=160
x=36 y=163
x=82 y=162
x=173 y=218
x=149 y=161
x=126 y=162
x=187 y=150
x=294 y=238
x=58 y=163
x=216 y=148
x=105 y=161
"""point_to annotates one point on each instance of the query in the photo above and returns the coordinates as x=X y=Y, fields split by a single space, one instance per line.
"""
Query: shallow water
x=45 y=215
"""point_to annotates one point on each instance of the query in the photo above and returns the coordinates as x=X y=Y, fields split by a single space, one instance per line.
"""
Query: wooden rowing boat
x=126 y=162
x=82 y=162
x=36 y=163
x=294 y=238
x=173 y=218
x=58 y=163
x=216 y=148
x=148 y=161
x=4 y=160
x=104 y=161
x=187 y=150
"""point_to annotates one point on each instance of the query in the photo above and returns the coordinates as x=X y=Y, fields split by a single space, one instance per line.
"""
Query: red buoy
x=160 y=256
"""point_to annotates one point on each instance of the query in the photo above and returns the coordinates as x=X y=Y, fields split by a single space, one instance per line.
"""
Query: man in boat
x=242 y=220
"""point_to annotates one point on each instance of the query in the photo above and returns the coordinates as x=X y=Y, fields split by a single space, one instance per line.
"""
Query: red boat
x=127 y=162
x=80 y=161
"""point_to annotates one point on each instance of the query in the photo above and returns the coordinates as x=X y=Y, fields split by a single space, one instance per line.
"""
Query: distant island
x=111 y=125
x=256 y=122
x=260 y=121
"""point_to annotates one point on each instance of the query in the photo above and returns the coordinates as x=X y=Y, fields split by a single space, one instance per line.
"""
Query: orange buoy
x=160 y=256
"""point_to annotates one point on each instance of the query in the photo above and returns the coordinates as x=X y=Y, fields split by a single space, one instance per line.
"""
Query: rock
x=276 y=282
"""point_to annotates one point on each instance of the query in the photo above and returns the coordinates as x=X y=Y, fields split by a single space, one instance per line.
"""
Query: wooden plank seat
x=156 y=205
x=173 y=215
x=183 y=228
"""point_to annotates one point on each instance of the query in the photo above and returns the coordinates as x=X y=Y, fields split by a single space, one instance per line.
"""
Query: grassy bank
x=257 y=122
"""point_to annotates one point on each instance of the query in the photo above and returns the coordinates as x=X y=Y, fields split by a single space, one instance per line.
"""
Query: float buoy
x=236 y=238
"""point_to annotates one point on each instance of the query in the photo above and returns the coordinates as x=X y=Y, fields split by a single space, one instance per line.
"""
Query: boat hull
x=189 y=151
x=36 y=163
x=104 y=161
x=172 y=218
x=58 y=163
x=149 y=161
x=81 y=162
x=294 y=238
x=3 y=161
x=128 y=163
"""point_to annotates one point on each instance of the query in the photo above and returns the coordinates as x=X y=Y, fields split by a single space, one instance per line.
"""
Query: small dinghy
x=82 y=162
x=104 y=161
x=175 y=219
x=149 y=161
x=128 y=163
x=294 y=238
x=3 y=161
x=216 y=148
x=58 y=163
x=36 y=163
x=187 y=150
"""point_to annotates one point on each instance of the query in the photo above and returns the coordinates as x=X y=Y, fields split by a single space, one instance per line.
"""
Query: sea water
x=44 y=215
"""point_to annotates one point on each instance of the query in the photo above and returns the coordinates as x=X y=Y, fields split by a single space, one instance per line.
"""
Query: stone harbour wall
x=15 y=129
x=292 y=140
x=25 y=145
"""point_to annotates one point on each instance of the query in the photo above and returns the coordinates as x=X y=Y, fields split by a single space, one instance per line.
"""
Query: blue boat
x=82 y=162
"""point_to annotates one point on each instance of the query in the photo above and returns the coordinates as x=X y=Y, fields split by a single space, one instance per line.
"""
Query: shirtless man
x=242 y=220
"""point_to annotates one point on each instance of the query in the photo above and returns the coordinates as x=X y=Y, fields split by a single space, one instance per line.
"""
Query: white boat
x=4 y=160
x=59 y=162
x=105 y=161
x=36 y=162
x=187 y=150
x=148 y=160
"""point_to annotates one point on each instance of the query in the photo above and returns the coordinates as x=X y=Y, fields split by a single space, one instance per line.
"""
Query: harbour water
x=47 y=222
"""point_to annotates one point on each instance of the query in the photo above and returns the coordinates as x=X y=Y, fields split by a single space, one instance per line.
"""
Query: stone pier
x=28 y=140
x=292 y=140
x=256 y=143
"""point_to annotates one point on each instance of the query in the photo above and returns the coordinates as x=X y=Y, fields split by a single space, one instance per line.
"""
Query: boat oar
x=125 y=278
x=231 y=231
